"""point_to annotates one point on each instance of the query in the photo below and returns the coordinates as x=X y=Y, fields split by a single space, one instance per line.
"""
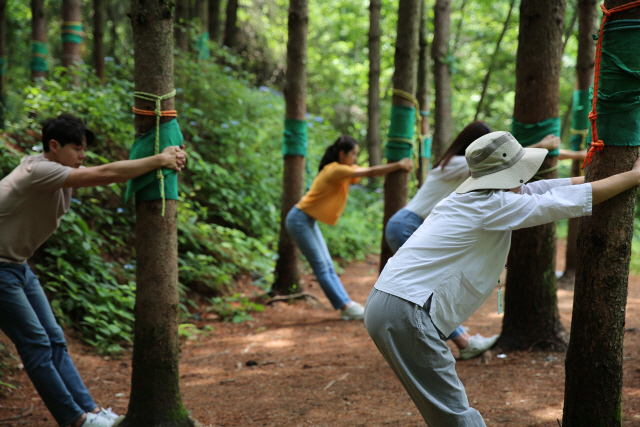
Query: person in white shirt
x=451 y=264
x=448 y=173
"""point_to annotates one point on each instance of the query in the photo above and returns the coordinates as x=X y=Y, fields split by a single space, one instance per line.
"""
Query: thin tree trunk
x=113 y=30
x=231 y=25
x=155 y=384
x=492 y=62
x=287 y=274
x=593 y=384
x=202 y=13
x=373 y=130
x=396 y=184
x=456 y=37
x=3 y=55
x=214 y=20
x=424 y=90
x=98 y=37
x=38 y=30
x=71 y=12
x=180 y=31
x=443 y=121
x=587 y=25
x=531 y=319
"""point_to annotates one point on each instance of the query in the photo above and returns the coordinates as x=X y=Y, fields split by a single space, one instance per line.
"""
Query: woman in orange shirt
x=325 y=202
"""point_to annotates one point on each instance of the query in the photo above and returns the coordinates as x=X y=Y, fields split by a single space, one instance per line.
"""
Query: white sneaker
x=108 y=414
x=354 y=311
x=97 y=420
x=478 y=345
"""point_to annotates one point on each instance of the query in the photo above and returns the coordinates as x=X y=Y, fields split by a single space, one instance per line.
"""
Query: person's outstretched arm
x=171 y=157
x=572 y=155
x=606 y=188
x=404 y=164
x=549 y=142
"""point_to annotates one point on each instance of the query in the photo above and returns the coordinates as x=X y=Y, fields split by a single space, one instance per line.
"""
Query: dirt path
x=311 y=369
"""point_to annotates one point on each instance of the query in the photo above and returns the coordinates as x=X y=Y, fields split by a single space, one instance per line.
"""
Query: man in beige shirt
x=33 y=198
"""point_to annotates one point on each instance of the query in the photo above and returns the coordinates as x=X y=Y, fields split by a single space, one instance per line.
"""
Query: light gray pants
x=415 y=350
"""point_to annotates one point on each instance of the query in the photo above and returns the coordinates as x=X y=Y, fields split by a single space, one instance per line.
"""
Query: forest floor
x=300 y=365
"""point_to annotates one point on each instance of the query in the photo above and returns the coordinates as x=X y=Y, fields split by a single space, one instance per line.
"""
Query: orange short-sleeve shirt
x=327 y=198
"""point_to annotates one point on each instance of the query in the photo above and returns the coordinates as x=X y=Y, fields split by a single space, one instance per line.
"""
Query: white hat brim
x=521 y=172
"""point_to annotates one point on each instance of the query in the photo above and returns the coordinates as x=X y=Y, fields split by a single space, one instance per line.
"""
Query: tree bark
x=531 y=319
x=3 y=54
x=443 y=121
x=373 y=130
x=593 y=384
x=202 y=13
x=287 y=274
x=396 y=184
x=38 y=30
x=231 y=25
x=155 y=385
x=424 y=89
x=113 y=29
x=180 y=31
x=98 y=37
x=214 y=20
x=492 y=62
x=587 y=25
x=71 y=12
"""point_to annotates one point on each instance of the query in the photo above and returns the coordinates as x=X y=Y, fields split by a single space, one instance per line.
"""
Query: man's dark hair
x=66 y=129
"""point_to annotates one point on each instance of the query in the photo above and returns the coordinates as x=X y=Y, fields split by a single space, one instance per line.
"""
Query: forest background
x=231 y=111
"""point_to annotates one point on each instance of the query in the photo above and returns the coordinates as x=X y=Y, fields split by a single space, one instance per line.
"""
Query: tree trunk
x=287 y=274
x=424 y=89
x=593 y=384
x=71 y=12
x=38 y=30
x=531 y=319
x=373 y=130
x=396 y=184
x=587 y=25
x=3 y=65
x=443 y=122
x=113 y=30
x=231 y=25
x=202 y=13
x=180 y=31
x=155 y=385
x=98 y=37
x=492 y=62
x=214 y=20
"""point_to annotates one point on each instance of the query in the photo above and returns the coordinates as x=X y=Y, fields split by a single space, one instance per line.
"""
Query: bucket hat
x=498 y=161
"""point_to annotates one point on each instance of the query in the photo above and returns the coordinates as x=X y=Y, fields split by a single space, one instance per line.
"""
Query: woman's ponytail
x=332 y=154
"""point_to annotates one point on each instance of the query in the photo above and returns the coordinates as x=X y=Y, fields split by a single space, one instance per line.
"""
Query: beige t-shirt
x=31 y=205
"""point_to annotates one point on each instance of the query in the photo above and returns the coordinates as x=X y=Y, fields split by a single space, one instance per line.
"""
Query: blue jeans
x=304 y=230
x=26 y=318
x=399 y=228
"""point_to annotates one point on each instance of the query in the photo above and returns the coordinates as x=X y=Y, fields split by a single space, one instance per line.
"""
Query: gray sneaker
x=478 y=345
x=354 y=311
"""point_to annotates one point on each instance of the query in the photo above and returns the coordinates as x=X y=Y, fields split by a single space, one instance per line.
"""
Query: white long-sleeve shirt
x=439 y=184
x=458 y=253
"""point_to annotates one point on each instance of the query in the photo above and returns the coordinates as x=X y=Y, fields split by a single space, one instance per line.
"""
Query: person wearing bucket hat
x=448 y=173
x=452 y=263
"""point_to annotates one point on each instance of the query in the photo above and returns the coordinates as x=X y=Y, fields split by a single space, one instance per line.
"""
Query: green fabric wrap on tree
x=3 y=66
x=203 y=46
x=618 y=105
x=72 y=32
x=580 y=125
x=146 y=187
x=38 y=56
x=294 y=142
x=530 y=133
x=401 y=131
x=426 y=147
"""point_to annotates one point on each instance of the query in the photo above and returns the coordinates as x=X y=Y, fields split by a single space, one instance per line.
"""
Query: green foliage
x=234 y=308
